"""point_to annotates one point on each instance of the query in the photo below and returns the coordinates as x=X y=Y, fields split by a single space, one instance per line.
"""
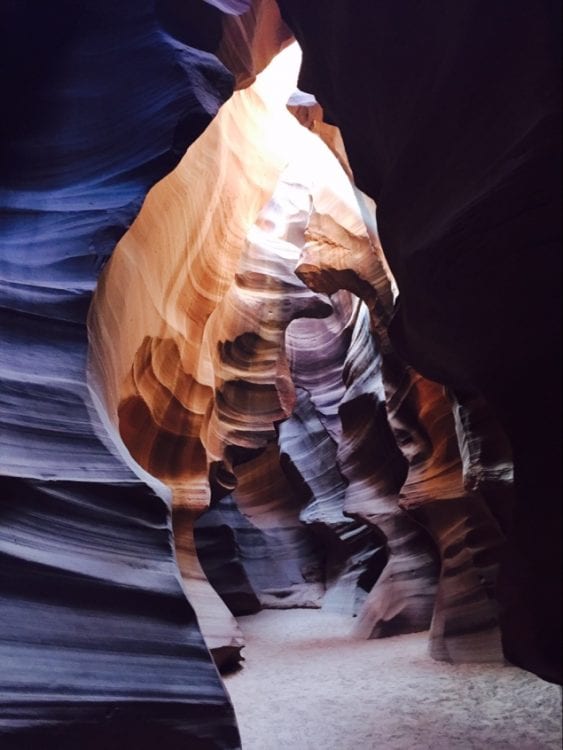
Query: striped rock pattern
x=99 y=645
x=208 y=368
x=231 y=364
x=309 y=459
x=160 y=356
x=294 y=576
x=457 y=139
x=403 y=597
x=423 y=426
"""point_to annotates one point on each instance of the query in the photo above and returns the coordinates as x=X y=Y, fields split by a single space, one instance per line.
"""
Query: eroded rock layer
x=294 y=577
x=247 y=436
x=197 y=366
x=100 y=647
x=457 y=141
x=421 y=427
x=98 y=640
x=403 y=597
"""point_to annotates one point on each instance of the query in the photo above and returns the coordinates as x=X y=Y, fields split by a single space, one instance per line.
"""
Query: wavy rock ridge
x=457 y=143
x=98 y=637
x=232 y=344
x=243 y=434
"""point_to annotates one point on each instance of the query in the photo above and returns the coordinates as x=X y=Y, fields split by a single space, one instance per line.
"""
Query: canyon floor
x=307 y=685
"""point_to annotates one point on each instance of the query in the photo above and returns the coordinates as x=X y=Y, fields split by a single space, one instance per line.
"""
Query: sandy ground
x=307 y=686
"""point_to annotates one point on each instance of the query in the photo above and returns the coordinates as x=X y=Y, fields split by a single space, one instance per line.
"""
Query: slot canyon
x=280 y=370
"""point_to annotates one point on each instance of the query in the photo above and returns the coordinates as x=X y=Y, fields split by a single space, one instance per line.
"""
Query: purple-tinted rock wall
x=451 y=117
x=99 y=645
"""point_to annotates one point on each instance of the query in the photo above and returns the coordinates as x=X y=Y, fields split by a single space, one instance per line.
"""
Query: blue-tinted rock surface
x=99 y=644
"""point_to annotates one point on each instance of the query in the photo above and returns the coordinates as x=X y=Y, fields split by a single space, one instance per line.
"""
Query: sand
x=307 y=686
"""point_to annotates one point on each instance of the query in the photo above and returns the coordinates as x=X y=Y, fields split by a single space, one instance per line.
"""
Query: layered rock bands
x=222 y=391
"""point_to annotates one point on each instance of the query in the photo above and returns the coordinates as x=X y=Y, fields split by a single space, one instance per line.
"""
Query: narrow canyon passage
x=308 y=685
x=313 y=473
x=280 y=376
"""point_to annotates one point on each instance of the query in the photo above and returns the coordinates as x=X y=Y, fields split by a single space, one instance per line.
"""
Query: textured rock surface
x=294 y=577
x=208 y=367
x=222 y=382
x=222 y=537
x=168 y=370
x=403 y=597
x=309 y=455
x=250 y=38
x=419 y=424
x=244 y=34
x=457 y=142
x=99 y=645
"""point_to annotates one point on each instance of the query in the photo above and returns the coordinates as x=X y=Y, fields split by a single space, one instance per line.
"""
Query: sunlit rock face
x=453 y=129
x=243 y=34
x=187 y=362
x=427 y=472
x=242 y=432
x=253 y=331
x=415 y=434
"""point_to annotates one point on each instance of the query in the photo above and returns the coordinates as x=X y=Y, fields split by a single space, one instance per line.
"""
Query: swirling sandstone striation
x=339 y=255
x=216 y=371
x=457 y=143
x=251 y=39
x=254 y=391
x=208 y=366
x=309 y=460
x=292 y=575
x=244 y=34
x=190 y=363
x=423 y=427
x=99 y=645
x=402 y=599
